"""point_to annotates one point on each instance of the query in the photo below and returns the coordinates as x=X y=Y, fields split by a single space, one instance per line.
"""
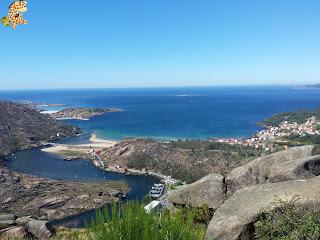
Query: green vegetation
x=139 y=160
x=303 y=140
x=299 y=116
x=296 y=140
x=188 y=160
x=131 y=222
x=197 y=146
x=316 y=150
x=289 y=222
x=177 y=184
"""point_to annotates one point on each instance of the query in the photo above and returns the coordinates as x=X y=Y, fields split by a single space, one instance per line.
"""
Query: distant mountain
x=22 y=127
x=310 y=86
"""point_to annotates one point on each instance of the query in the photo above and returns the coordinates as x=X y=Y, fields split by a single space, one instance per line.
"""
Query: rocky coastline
x=82 y=113
x=45 y=199
x=22 y=127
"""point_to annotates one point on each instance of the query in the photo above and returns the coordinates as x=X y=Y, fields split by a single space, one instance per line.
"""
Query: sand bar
x=78 y=149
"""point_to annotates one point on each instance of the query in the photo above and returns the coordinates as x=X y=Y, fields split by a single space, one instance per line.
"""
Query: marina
x=157 y=190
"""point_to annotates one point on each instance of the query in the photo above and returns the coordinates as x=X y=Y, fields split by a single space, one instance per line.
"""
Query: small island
x=82 y=113
x=310 y=86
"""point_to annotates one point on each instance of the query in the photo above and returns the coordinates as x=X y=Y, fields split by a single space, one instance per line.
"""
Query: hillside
x=23 y=127
x=185 y=160
x=299 y=116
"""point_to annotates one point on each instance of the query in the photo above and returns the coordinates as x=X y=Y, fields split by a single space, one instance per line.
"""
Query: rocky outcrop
x=277 y=167
x=23 y=127
x=295 y=163
x=82 y=113
x=209 y=190
x=27 y=228
x=242 y=208
x=45 y=199
x=252 y=188
x=40 y=229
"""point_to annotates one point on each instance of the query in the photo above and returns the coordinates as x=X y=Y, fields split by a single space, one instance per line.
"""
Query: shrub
x=289 y=222
x=131 y=222
x=316 y=150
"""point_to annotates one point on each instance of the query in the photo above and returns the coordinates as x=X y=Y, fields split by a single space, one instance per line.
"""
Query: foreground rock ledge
x=277 y=167
x=209 y=190
x=243 y=207
x=45 y=199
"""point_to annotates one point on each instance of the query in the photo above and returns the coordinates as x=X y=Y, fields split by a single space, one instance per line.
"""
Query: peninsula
x=82 y=113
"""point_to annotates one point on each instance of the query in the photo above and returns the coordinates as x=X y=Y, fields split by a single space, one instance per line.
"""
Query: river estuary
x=47 y=165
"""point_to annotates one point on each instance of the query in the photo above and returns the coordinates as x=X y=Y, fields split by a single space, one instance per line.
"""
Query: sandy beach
x=67 y=150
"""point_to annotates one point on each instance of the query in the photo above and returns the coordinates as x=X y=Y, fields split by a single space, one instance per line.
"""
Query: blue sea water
x=174 y=113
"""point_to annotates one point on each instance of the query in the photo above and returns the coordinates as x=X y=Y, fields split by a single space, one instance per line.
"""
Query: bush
x=289 y=222
x=175 y=185
x=316 y=150
x=139 y=161
x=131 y=222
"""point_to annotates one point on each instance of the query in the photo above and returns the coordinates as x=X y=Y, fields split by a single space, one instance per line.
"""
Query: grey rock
x=40 y=229
x=50 y=199
x=114 y=193
x=16 y=232
x=23 y=220
x=209 y=190
x=4 y=217
x=281 y=166
x=243 y=207
x=6 y=223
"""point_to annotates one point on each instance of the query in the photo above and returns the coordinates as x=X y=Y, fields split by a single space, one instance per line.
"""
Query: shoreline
x=66 y=149
x=78 y=151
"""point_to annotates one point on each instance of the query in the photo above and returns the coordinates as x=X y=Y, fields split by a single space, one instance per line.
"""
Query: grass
x=176 y=185
x=131 y=222
x=289 y=222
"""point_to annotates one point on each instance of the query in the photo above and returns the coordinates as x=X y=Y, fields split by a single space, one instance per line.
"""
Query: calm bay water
x=39 y=163
x=47 y=165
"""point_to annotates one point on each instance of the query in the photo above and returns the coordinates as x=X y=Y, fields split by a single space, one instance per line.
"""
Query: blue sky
x=150 y=43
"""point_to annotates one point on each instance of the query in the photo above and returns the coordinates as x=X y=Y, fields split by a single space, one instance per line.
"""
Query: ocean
x=175 y=113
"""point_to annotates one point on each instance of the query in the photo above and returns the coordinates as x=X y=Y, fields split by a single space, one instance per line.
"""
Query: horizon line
x=154 y=87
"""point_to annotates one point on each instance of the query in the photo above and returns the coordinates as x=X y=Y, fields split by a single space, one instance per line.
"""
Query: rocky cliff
x=23 y=127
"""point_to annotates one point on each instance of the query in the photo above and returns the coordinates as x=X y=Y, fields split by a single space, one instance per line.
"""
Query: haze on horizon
x=143 y=43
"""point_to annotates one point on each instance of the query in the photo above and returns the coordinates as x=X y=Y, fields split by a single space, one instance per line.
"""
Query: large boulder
x=40 y=229
x=6 y=216
x=6 y=223
x=243 y=207
x=18 y=232
x=23 y=220
x=209 y=190
x=285 y=165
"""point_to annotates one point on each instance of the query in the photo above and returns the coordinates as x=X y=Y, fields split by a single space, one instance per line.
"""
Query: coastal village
x=263 y=138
